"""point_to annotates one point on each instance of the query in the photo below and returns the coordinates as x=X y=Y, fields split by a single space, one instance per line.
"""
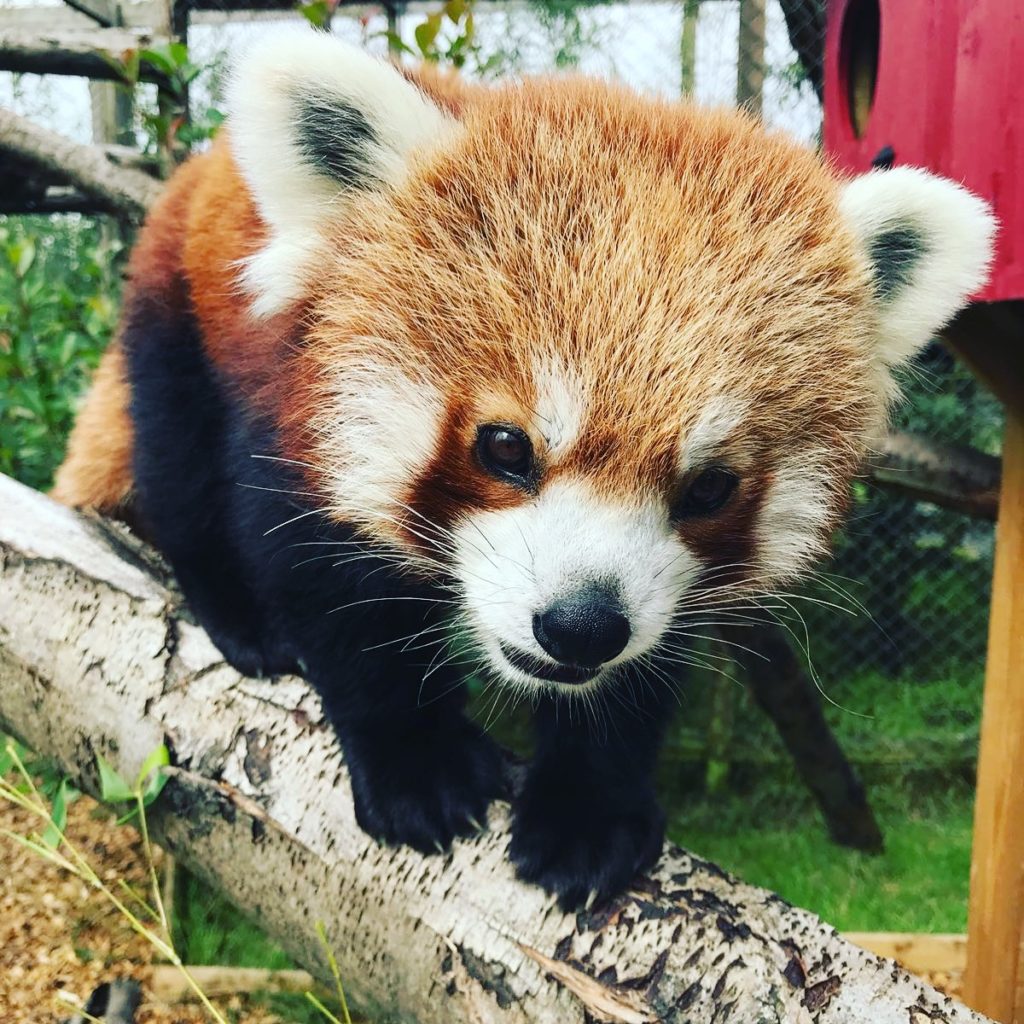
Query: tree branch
x=98 y=54
x=952 y=476
x=97 y=656
x=117 y=189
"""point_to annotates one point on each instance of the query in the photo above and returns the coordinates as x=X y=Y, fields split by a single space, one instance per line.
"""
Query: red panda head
x=599 y=360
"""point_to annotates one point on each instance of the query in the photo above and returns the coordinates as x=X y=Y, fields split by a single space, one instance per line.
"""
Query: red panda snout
x=569 y=579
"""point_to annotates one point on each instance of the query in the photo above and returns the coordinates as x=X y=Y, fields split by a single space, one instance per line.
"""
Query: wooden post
x=995 y=973
x=991 y=339
x=750 y=58
x=113 y=114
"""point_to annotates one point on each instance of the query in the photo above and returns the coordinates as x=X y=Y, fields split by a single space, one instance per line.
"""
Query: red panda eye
x=505 y=452
x=706 y=493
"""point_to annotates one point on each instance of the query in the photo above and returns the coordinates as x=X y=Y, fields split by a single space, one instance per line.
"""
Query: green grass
x=773 y=838
x=915 y=754
x=208 y=930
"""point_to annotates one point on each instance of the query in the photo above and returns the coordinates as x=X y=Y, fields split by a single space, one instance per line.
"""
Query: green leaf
x=25 y=258
x=178 y=53
x=159 y=60
x=159 y=758
x=152 y=778
x=317 y=13
x=397 y=45
x=154 y=788
x=426 y=32
x=113 y=789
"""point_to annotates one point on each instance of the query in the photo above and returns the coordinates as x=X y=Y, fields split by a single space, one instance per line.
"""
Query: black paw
x=426 y=788
x=583 y=849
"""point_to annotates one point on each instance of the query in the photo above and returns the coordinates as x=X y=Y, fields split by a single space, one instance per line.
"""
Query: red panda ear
x=929 y=243
x=311 y=119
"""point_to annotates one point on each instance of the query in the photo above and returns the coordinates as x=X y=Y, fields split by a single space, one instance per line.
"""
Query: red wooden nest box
x=936 y=84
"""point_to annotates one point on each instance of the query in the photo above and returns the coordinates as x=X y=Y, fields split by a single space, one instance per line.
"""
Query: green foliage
x=447 y=35
x=444 y=36
x=318 y=13
x=210 y=930
x=171 y=126
x=59 y=290
x=148 y=785
x=113 y=789
x=913 y=740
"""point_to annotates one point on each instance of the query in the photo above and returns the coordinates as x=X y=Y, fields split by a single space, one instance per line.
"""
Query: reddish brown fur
x=201 y=226
x=670 y=253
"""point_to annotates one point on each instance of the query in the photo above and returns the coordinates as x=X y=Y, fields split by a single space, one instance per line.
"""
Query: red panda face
x=598 y=362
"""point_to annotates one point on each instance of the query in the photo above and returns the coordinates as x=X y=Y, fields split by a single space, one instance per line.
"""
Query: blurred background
x=874 y=668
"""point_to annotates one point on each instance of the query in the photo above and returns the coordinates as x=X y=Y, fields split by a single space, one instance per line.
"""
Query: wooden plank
x=919 y=954
x=168 y=984
x=994 y=983
x=112 y=114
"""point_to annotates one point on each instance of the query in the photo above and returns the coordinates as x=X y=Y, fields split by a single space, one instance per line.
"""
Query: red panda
x=415 y=375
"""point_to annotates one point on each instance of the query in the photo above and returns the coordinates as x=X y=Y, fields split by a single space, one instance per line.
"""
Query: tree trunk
x=117 y=189
x=97 y=656
x=785 y=691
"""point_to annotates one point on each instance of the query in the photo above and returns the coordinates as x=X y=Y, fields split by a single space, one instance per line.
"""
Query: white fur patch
x=718 y=420
x=560 y=406
x=792 y=527
x=293 y=196
x=956 y=228
x=514 y=563
x=380 y=430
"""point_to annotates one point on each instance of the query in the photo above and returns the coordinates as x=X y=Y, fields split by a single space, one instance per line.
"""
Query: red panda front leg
x=587 y=821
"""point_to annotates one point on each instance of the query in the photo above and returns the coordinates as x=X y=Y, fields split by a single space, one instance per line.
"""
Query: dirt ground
x=58 y=936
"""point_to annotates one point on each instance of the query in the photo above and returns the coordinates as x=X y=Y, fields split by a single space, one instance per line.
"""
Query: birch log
x=97 y=656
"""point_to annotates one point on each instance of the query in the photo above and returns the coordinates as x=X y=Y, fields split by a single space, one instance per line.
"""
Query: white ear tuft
x=929 y=243
x=311 y=119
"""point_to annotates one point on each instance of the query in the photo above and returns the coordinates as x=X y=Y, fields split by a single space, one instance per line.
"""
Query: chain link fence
x=916 y=576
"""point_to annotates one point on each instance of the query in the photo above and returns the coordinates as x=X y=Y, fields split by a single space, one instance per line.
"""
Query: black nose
x=587 y=628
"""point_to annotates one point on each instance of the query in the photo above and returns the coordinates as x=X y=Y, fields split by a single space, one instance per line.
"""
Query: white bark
x=96 y=655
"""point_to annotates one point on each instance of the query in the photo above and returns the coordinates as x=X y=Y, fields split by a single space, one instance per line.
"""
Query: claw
x=476 y=824
x=438 y=846
x=591 y=900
